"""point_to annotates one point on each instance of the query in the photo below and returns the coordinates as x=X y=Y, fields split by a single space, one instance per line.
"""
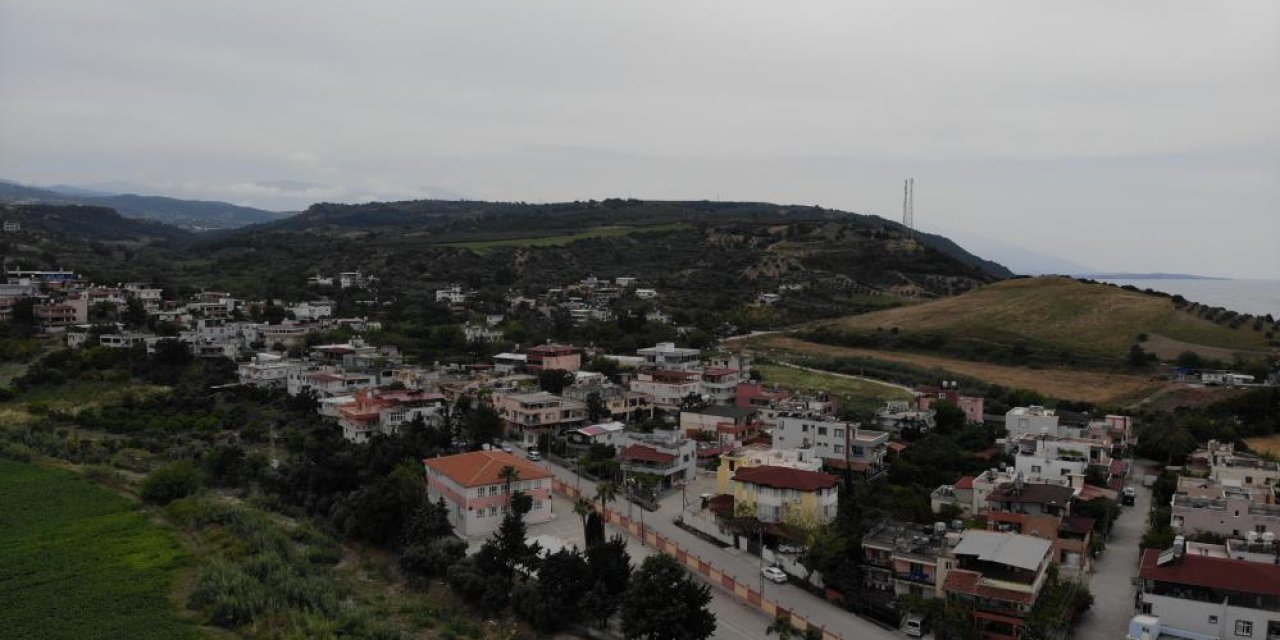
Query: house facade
x=1181 y=592
x=778 y=494
x=472 y=486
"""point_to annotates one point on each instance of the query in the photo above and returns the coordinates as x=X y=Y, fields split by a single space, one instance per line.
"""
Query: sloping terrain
x=94 y=241
x=1042 y=317
x=195 y=215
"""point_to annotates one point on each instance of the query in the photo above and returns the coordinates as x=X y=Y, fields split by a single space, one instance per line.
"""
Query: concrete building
x=758 y=456
x=1234 y=514
x=374 y=411
x=1190 y=595
x=998 y=576
x=905 y=558
x=669 y=455
x=547 y=357
x=529 y=415
x=729 y=424
x=841 y=444
x=1241 y=469
x=779 y=494
x=472 y=486
x=666 y=355
x=972 y=406
x=901 y=414
x=1033 y=420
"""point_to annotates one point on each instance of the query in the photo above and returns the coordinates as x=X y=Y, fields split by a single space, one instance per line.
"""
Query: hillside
x=196 y=215
x=94 y=241
x=703 y=257
x=1041 y=319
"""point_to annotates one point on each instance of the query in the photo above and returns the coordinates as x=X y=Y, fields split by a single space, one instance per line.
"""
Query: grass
x=859 y=394
x=78 y=395
x=1266 y=444
x=1087 y=386
x=484 y=246
x=77 y=561
x=1058 y=312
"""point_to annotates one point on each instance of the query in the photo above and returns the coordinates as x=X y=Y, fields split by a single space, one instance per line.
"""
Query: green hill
x=1051 y=319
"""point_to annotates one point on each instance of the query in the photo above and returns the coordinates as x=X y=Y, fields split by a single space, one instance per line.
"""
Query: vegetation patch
x=77 y=561
x=854 y=394
x=611 y=231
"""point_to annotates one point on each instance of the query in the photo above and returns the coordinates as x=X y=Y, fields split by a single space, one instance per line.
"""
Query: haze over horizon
x=1139 y=137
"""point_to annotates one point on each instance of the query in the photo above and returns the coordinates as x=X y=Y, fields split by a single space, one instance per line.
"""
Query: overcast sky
x=1137 y=136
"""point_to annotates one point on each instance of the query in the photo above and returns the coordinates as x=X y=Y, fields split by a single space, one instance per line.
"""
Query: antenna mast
x=908 y=207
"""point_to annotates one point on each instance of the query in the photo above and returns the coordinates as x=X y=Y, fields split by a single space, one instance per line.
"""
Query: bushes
x=171 y=482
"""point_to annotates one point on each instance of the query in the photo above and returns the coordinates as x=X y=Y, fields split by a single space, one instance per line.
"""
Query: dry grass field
x=1099 y=388
x=1269 y=444
x=1063 y=313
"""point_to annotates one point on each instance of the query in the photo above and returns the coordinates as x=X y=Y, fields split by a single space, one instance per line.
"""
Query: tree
x=554 y=380
x=509 y=476
x=606 y=492
x=428 y=522
x=782 y=627
x=664 y=603
x=948 y=417
x=597 y=410
x=593 y=529
x=554 y=601
x=610 y=566
x=1138 y=357
x=171 y=482
x=582 y=507
x=430 y=559
x=482 y=425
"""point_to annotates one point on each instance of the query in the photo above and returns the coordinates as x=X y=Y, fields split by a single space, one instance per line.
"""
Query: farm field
x=77 y=561
x=482 y=246
x=1098 y=388
x=858 y=394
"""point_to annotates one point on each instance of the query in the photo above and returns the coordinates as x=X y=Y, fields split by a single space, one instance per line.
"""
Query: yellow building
x=779 y=494
x=746 y=457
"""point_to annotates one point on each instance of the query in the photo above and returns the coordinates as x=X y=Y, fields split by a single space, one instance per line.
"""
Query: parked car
x=533 y=455
x=775 y=574
x=913 y=625
x=506 y=446
x=1128 y=496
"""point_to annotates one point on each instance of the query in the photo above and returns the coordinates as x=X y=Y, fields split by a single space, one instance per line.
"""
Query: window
x=822 y=431
x=839 y=448
x=839 y=433
x=1213 y=619
x=1035 y=468
x=537 y=505
x=493 y=511
x=1244 y=628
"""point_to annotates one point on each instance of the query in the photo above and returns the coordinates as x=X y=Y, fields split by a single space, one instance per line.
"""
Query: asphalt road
x=744 y=567
x=1112 y=581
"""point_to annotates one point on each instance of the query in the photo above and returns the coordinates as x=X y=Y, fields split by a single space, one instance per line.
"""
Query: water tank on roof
x=939 y=528
x=1269 y=537
x=1252 y=537
x=957 y=525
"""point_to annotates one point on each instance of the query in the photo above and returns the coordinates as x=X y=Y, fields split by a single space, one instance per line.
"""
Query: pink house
x=970 y=405
x=472 y=486
x=546 y=357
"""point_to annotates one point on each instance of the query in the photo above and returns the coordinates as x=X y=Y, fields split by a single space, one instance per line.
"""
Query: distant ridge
x=193 y=215
x=1146 y=276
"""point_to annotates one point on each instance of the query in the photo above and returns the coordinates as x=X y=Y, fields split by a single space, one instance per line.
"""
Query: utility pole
x=908 y=207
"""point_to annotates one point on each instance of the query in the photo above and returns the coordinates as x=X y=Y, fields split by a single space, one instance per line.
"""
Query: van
x=913 y=625
x=533 y=455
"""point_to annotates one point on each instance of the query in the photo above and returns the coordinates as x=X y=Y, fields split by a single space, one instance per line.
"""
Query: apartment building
x=472 y=486
x=1193 y=591
x=529 y=415
x=841 y=444
x=1034 y=420
x=1233 y=514
x=669 y=455
x=778 y=494
x=905 y=558
x=548 y=357
x=375 y=411
x=666 y=355
x=972 y=406
x=998 y=576
x=760 y=456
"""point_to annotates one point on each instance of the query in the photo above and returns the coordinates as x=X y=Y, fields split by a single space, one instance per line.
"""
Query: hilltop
x=95 y=241
x=194 y=215
x=709 y=257
x=1046 y=320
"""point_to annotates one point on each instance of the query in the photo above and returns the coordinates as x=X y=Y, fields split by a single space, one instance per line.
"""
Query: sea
x=1258 y=297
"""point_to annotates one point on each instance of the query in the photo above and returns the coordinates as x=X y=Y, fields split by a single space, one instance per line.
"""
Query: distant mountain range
x=1146 y=276
x=193 y=215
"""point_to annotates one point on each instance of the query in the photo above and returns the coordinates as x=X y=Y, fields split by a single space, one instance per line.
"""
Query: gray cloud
x=1134 y=136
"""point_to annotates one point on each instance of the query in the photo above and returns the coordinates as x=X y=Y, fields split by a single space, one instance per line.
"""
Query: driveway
x=1112 y=582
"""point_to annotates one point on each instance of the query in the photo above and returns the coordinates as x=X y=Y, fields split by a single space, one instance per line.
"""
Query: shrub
x=16 y=451
x=171 y=482
x=227 y=595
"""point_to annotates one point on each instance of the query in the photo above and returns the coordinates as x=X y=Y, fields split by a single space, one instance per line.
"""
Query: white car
x=775 y=574
x=506 y=446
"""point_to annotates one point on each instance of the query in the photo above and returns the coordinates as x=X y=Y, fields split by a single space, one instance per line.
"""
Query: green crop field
x=77 y=561
x=482 y=246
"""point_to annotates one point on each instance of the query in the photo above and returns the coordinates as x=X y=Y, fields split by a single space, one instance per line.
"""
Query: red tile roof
x=786 y=478
x=1213 y=573
x=965 y=483
x=646 y=454
x=970 y=583
x=898 y=447
x=480 y=468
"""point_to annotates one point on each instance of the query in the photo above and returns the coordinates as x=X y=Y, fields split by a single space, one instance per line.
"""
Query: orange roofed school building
x=471 y=485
